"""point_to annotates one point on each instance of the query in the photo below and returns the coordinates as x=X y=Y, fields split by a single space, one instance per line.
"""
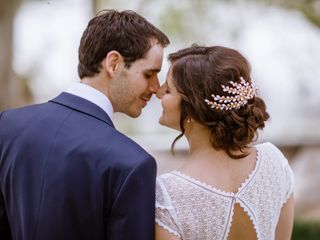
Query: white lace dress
x=194 y=210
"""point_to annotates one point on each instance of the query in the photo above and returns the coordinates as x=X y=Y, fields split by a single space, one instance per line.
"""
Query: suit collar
x=82 y=105
x=91 y=94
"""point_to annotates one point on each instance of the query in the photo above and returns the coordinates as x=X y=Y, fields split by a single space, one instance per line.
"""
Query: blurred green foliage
x=309 y=8
x=306 y=230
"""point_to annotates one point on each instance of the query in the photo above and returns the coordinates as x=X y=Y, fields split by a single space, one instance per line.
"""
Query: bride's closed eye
x=147 y=76
x=167 y=89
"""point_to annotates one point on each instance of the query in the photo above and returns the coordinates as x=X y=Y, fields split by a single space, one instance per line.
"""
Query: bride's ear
x=113 y=62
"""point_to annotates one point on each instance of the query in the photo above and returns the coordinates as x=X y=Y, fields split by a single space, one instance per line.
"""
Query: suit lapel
x=82 y=105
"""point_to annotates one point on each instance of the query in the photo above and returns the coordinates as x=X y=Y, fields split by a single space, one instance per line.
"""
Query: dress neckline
x=220 y=191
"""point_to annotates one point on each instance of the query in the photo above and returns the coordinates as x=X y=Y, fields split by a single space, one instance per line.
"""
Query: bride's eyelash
x=147 y=76
x=167 y=88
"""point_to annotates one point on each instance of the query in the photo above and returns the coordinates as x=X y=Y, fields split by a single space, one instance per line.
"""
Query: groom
x=65 y=172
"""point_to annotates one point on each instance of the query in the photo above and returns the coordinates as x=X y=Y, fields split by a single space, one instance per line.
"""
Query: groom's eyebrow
x=153 y=70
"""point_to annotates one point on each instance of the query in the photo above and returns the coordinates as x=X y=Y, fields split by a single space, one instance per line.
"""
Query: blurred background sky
x=280 y=38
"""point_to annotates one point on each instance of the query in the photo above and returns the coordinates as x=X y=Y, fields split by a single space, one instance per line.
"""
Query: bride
x=228 y=188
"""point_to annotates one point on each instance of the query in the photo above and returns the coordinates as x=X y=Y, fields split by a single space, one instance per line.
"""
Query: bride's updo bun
x=217 y=91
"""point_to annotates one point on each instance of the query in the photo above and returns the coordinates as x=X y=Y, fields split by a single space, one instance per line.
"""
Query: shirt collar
x=93 y=95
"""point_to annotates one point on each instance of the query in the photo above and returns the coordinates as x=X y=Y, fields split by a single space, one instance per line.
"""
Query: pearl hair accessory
x=240 y=94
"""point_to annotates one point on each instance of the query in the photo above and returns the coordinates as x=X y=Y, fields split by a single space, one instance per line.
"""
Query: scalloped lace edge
x=167 y=228
x=287 y=197
x=217 y=190
x=255 y=227
x=212 y=188
x=253 y=172
x=230 y=222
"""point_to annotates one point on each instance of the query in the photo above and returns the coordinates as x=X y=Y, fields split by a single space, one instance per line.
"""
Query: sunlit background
x=280 y=38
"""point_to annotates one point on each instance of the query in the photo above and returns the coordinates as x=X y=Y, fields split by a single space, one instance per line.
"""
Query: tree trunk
x=7 y=10
x=14 y=90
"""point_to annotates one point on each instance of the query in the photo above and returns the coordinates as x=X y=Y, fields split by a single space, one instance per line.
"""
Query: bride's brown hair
x=197 y=73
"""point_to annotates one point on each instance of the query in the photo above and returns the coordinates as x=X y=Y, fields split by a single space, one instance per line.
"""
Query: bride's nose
x=160 y=92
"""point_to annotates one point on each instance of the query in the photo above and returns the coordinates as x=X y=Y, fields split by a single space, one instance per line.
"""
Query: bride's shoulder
x=168 y=181
x=269 y=151
x=165 y=186
x=265 y=146
x=166 y=177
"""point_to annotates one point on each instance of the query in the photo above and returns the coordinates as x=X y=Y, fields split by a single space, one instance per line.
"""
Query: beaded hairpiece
x=240 y=94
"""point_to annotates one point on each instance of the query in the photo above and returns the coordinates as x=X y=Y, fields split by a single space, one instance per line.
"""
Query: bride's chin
x=161 y=121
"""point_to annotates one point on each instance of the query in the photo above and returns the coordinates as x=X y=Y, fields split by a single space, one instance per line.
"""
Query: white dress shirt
x=93 y=95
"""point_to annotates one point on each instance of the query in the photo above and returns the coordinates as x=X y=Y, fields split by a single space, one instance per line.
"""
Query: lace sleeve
x=165 y=216
x=288 y=175
x=289 y=182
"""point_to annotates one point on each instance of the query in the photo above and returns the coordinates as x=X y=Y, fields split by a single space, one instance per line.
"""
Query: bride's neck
x=198 y=137
x=202 y=156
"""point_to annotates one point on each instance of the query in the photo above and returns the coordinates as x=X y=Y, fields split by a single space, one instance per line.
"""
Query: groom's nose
x=154 y=85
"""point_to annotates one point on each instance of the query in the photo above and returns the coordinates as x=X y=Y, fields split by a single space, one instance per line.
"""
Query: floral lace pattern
x=191 y=209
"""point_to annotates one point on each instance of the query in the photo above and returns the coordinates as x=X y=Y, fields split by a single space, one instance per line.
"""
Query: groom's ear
x=113 y=62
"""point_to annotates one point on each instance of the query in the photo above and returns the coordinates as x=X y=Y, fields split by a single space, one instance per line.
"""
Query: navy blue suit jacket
x=66 y=173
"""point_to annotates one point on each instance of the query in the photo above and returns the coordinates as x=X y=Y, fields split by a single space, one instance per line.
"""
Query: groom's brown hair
x=126 y=32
